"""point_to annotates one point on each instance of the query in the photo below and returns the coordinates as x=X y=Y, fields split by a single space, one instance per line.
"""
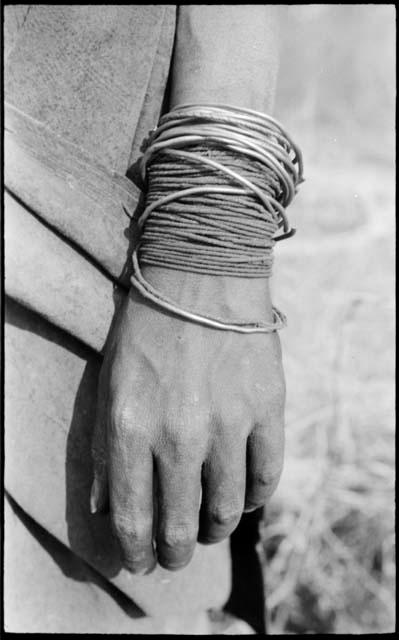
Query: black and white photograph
x=199 y=319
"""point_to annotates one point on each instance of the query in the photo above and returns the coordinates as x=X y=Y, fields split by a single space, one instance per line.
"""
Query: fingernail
x=94 y=496
x=138 y=570
x=150 y=569
x=250 y=508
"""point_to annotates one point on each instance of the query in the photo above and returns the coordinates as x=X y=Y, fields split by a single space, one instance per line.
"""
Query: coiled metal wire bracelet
x=220 y=216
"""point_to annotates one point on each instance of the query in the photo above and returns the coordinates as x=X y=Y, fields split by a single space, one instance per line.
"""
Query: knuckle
x=181 y=442
x=134 y=533
x=122 y=418
x=263 y=485
x=225 y=517
x=176 y=536
x=267 y=482
x=266 y=479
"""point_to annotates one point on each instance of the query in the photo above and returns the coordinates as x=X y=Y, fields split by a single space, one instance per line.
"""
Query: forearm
x=226 y=54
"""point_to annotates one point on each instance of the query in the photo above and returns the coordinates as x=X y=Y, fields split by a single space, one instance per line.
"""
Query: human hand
x=196 y=410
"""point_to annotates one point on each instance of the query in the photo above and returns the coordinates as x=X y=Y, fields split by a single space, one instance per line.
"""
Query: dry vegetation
x=329 y=530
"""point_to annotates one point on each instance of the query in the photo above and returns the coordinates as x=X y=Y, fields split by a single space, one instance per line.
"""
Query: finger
x=179 y=489
x=99 y=498
x=223 y=486
x=265 y=452
x=130 y=465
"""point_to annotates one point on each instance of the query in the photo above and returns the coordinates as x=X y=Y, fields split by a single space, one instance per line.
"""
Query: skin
x=190 y=419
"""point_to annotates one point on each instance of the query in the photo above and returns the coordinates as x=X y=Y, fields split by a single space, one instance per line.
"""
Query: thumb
x=99 y=500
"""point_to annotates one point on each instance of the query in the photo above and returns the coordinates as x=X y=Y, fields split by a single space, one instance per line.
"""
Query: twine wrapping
x=218 y=181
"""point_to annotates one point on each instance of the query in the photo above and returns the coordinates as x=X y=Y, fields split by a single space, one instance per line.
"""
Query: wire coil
x=219 y=179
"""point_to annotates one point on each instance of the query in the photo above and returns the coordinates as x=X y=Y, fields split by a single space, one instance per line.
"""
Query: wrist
x=232 y=298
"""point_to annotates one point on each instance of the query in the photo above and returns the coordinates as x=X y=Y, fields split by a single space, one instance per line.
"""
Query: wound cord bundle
x=218 y=181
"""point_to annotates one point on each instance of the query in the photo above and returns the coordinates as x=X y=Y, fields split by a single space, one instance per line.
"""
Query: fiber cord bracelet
x=163 y=240
x=216 y=216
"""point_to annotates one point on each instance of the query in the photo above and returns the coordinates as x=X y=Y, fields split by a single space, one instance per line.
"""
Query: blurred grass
x=329 y=530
